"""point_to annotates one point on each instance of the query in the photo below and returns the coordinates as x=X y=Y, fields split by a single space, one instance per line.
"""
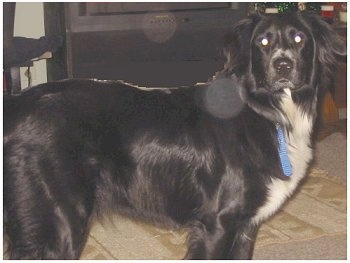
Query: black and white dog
x=77 y=150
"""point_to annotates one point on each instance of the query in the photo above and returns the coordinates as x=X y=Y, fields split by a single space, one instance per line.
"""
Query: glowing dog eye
x=297 y=39
x=264 y=41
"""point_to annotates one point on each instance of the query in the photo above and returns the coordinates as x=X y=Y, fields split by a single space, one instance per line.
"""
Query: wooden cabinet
x=340 y=87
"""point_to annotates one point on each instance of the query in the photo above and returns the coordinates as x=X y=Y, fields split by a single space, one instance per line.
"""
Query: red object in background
x=327 y=11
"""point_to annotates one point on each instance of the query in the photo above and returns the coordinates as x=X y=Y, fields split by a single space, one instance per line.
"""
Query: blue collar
x=282 y=151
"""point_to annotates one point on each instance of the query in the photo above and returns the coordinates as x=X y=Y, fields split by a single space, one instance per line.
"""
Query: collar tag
x=282 y=151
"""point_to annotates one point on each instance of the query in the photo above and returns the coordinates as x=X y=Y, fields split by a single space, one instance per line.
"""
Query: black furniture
x=151 y=44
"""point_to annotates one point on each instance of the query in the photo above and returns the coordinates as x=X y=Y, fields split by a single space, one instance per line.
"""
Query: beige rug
x=317 y=211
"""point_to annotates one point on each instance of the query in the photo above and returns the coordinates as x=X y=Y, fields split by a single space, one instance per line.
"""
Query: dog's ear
x=237 y=45
x=330 y=43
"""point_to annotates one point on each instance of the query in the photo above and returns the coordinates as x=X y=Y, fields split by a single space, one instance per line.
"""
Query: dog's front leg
x=211 y=239
x=243 y=245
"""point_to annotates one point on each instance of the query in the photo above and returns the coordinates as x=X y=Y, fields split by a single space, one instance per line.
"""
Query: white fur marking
x=288 y=92
x=300 y=154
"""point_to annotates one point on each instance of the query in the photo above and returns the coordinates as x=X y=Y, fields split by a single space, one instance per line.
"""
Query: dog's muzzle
x=283 y=74
x=283 y=67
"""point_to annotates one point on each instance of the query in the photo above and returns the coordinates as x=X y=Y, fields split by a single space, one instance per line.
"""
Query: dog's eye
x=298 y=38
x=264 y=41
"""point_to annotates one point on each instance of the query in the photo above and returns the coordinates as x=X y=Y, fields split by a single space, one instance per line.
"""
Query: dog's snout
x=283 y=66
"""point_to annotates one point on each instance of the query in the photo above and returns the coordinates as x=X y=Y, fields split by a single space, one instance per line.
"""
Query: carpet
x=330 y=155
x=316 y=213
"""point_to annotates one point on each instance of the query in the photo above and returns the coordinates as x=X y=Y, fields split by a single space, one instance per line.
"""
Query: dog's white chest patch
x=300 y=154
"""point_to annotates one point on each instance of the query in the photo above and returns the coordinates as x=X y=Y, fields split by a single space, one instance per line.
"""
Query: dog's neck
x=298 y=137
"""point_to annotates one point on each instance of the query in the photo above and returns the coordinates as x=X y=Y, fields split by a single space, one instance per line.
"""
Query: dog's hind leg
x=44 y=230
x=46 y=209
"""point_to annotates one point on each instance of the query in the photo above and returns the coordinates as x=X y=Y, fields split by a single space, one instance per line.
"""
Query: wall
x=29 y=22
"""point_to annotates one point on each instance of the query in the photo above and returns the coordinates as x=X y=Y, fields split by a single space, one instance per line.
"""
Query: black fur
x=77 y=150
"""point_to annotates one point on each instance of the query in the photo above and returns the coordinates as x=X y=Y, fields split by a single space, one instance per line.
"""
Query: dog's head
x=272 y=54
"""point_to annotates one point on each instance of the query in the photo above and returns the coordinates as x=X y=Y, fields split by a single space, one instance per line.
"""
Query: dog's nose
x=283 y=66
